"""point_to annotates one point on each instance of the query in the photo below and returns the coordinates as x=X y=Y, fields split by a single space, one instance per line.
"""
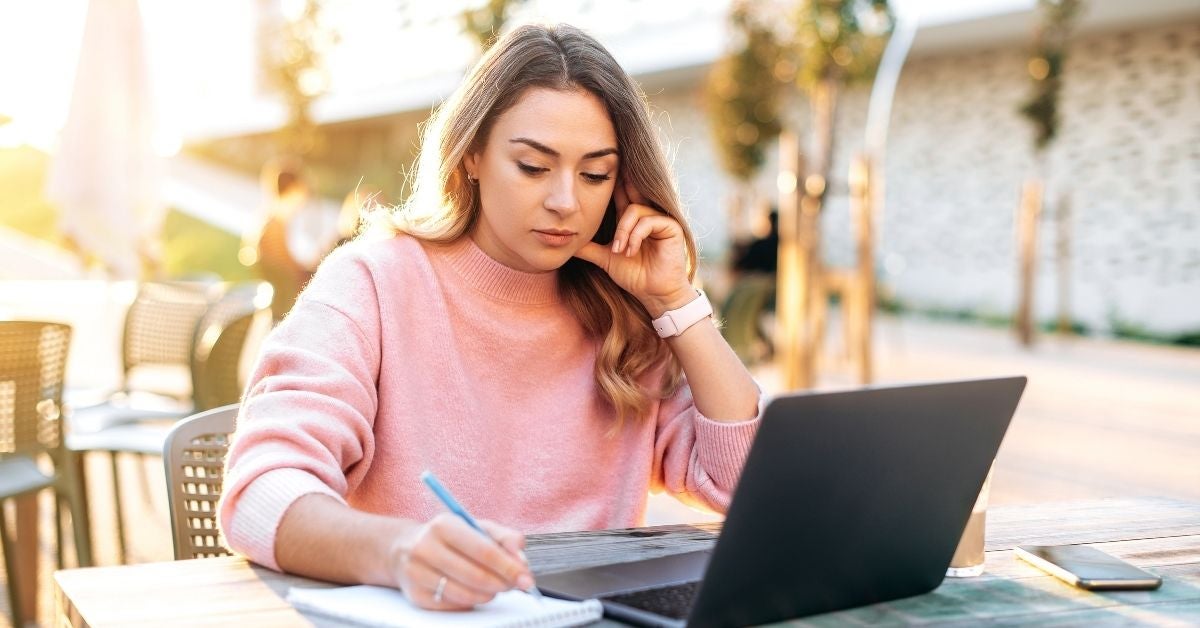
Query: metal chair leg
x=116 y=477
x=59 y=552
x=74 y=482
x=10 y=570
x=144 y=478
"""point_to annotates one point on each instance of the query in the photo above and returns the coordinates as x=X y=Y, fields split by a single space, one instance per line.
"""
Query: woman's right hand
x=475 y=567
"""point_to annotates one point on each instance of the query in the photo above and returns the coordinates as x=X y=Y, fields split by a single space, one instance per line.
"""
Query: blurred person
x=753 y=265
x=290 y=239
x=524 y=326
x=761 y=254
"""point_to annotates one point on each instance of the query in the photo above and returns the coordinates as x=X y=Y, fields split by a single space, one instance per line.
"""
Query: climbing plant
x=1057 y=19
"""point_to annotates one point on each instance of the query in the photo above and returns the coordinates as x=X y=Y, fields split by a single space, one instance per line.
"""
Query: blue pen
x=452 y=504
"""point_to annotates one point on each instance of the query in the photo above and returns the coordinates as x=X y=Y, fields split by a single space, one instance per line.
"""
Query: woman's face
x=546 y=173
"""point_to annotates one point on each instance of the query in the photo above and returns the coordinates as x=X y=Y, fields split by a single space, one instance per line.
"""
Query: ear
x=471 y=162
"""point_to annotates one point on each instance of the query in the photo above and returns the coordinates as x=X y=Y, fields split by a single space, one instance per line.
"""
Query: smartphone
x=1087 y=567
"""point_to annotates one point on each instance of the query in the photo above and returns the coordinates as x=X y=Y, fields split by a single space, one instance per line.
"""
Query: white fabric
x=105 y=177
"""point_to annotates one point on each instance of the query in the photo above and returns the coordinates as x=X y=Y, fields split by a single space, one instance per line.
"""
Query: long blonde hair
x=444 y=207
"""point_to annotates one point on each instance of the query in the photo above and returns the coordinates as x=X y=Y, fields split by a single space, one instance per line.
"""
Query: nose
x=561 y=197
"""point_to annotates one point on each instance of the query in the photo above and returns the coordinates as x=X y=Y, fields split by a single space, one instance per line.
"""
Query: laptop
x=847 y=499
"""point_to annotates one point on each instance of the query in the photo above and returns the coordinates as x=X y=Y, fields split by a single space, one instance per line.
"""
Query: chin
x=548 y=260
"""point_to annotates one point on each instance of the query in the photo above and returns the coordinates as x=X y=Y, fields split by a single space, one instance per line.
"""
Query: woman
x=503 y=339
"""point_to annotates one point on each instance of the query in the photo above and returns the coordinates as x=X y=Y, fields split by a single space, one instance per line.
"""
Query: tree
x=822 y=47
x=837 y=43
x=1050 y=38
x=292 y=51
x=743 y=91
x=485 y=22
x=742 y=99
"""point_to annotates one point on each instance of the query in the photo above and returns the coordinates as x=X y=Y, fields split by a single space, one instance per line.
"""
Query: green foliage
x=22 y=204
x=193 y=247
x=742 y=94
x=1058 y=17
x=1077 y=328
x=836 y=40
x=840 y=40
x=190 y=246
x=292 y=52
x=484 y=23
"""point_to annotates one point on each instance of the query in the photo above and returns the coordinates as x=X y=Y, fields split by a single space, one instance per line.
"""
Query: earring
x=471 y=179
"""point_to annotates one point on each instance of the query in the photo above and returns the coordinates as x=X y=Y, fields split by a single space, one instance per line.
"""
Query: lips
x=554 y=237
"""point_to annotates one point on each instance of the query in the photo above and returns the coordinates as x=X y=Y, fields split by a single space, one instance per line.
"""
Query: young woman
x=506 y=336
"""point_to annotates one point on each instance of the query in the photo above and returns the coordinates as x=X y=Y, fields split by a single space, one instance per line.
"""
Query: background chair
x=33 y=362
x=194 y=458
x=156 y=349
x=217 y=343
x=752 y=297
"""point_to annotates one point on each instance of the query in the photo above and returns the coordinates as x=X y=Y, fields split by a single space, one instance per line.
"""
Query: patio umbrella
x=104 y=175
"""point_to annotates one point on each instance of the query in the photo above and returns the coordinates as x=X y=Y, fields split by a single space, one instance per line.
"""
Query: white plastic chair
x=194 y=457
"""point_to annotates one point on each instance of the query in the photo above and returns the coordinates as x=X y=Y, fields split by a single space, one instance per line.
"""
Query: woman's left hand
x=648 y=257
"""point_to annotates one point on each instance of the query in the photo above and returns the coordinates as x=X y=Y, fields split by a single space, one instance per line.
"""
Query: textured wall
x=1127 y=158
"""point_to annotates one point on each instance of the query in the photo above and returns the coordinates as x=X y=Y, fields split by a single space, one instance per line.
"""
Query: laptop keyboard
x=673 y=601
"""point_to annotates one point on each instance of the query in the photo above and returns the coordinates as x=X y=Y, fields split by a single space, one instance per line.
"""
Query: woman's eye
x=530 y=169
x=596 y=178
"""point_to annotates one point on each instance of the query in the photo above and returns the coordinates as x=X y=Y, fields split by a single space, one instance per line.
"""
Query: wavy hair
x=444 y=206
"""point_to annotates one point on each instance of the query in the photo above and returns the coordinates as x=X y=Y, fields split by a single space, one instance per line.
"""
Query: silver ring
x=441 y=588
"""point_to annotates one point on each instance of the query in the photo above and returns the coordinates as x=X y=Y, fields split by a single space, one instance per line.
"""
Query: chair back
x=33 y=364
x=194 y=457
x=742 y=311
x=220 y=339
x=161 y=323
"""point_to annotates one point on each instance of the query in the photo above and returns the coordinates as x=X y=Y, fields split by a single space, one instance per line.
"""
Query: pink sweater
x=402 y=356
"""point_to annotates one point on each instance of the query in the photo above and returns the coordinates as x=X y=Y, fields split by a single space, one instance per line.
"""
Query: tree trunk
x=858 y=319
x=791 y=279
x=1027 y=221
x=800 y=297
x=1062 y=236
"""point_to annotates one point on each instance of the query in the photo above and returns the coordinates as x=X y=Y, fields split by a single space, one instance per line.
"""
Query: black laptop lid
x=853 y=498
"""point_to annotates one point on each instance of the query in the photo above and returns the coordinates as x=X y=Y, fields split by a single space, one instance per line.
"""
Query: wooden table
x=1160 y=535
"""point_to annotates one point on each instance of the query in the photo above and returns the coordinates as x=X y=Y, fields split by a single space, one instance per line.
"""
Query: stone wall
x=1127 y=162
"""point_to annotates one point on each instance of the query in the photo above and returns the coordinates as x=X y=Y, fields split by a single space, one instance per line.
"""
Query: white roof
x=665 y=37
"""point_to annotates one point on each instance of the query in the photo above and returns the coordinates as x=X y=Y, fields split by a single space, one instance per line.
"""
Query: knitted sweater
x=402 y=356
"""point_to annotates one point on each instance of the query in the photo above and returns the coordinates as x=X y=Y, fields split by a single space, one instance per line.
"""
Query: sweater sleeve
x=697 y=459
x=305 y=424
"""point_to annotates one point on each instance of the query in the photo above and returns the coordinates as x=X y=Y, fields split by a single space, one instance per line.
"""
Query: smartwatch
x=675 y=322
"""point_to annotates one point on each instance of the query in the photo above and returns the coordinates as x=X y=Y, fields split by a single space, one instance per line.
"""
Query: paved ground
x=1099 y=418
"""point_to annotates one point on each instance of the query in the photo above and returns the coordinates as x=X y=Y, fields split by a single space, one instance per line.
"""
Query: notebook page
x=381 y=606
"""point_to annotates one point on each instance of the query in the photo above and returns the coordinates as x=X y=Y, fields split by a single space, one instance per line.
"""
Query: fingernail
x=616 y=246
x=521 y=555
x=525 y=582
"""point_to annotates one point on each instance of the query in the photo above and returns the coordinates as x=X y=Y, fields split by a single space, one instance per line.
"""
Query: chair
x=33 y=362
x=156 y=342
x=220 y=339
x=742 y=312
x=217 y=341
x=194 y=458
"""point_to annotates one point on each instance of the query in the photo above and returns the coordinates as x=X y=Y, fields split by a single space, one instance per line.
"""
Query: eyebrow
x=542 y=148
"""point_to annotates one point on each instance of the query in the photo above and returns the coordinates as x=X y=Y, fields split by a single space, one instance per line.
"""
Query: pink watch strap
x=675 y=322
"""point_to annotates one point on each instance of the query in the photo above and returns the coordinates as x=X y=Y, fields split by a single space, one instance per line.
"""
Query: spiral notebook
x=380 y=606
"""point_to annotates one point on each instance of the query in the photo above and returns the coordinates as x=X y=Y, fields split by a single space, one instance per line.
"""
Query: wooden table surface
x=1160 y=535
